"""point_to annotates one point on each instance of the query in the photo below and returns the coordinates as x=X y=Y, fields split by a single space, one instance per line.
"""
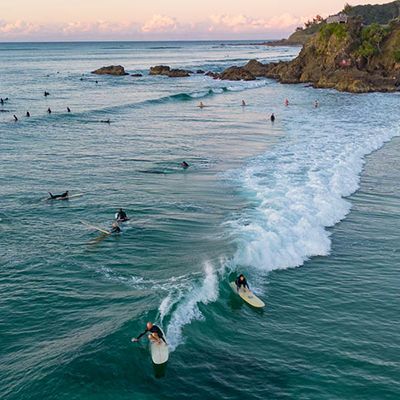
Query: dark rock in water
x=137 y=75
x=237 y=74
x=160 y=70
x=256 y=68
x=178 y=73
x=167 y=71
x=116 y=70
x=200 y=71
x=213 y=75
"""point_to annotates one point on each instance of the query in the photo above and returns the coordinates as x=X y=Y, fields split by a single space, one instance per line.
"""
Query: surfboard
x=96 y=228
x=248 y=296
x=159 y=352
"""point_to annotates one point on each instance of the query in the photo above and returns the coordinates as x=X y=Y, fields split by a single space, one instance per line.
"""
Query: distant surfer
x=316 y=104
x=68 y=109
x=63 y=196
x=201 y=105
x=244 y=103
x=155 y=334
x=49 y=110
x=121 y=215
x=272 y=117
x=2 y=101
x=185 y=165
x=46 y=94
x=115 y=228
x=106 y=121
x=15 y=118
x=28 y=114
x=286 y=102
x=241 y=281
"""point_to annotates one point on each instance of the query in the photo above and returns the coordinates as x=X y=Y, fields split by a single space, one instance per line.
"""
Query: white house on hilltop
x=340 y=18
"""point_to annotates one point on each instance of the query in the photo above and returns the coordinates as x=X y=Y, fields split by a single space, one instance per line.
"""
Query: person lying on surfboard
x=121 y=215
x=241 y=281
x=59 y=196
x=155 y=334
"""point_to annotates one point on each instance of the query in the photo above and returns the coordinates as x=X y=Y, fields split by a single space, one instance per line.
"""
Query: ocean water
x=306 y=207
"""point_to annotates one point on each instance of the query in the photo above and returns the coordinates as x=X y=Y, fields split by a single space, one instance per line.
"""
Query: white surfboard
x=96 y=228
x=159 y=352
x=71 y=196
x=248 y=296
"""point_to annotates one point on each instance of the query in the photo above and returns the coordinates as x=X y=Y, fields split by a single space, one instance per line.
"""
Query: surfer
x=155 y=334
x=115 y=228
x=15 y=118
x=272 y=117
x=316 y=104
x=68 y=109
x=286 y=102
x=244 y=103
x=2 y=101
x=106 y=121
x=63 y=196
x=121 y=215
x=49 y=110
x=28 y=114
x=46 y=94
x=201 y=105
x=185 y=165
x=241 y=281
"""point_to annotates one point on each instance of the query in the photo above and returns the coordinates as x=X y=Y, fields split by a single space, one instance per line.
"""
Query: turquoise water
x=258 y=198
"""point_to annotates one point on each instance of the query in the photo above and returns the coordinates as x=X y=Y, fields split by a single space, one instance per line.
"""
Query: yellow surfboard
x=248 y=296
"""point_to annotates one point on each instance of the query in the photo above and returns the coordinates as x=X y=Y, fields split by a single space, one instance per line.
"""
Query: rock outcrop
x=168 y=71
x=116 y=70
x=346 y=57
x=349 y=58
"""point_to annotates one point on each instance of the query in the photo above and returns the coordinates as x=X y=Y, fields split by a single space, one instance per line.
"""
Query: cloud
x=165 y=27
x=160 y=23
x=246 y=24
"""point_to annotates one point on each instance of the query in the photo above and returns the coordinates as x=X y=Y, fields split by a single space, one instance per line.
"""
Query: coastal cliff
x=347 y=57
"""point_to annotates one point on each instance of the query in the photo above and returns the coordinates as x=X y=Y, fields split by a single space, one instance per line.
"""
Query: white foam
x=188 y=309
x=300 y=188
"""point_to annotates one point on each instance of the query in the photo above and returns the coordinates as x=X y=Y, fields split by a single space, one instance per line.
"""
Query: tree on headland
x=347 y=8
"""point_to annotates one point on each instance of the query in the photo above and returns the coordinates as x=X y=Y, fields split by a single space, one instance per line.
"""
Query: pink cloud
x=160 y=23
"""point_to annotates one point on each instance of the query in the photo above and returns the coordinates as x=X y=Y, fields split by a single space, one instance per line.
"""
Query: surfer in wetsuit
x=241 y=281
x=115 y=228
x=63 y=196
x=272 y=117
x=185 y=165
x=121 y=215
x=155 y=334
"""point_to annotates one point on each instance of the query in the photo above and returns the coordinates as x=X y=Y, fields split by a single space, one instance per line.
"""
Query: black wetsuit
x=116 y=229
x=58 y=196
x=272 y=118
x=240 y=283
x=153 y=329
x=122 y=216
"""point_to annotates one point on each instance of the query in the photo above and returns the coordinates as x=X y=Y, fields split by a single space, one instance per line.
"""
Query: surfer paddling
x=241 y=281
x=115 y=228
x=155 y=334
x=63 y=196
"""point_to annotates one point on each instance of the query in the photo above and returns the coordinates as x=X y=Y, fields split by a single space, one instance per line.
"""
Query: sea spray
x=188 y=310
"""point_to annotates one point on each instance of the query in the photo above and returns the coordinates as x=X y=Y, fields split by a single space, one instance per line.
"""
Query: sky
x=70 y=20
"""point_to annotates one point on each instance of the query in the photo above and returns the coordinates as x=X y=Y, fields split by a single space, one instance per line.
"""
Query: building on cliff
x=340 y=18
